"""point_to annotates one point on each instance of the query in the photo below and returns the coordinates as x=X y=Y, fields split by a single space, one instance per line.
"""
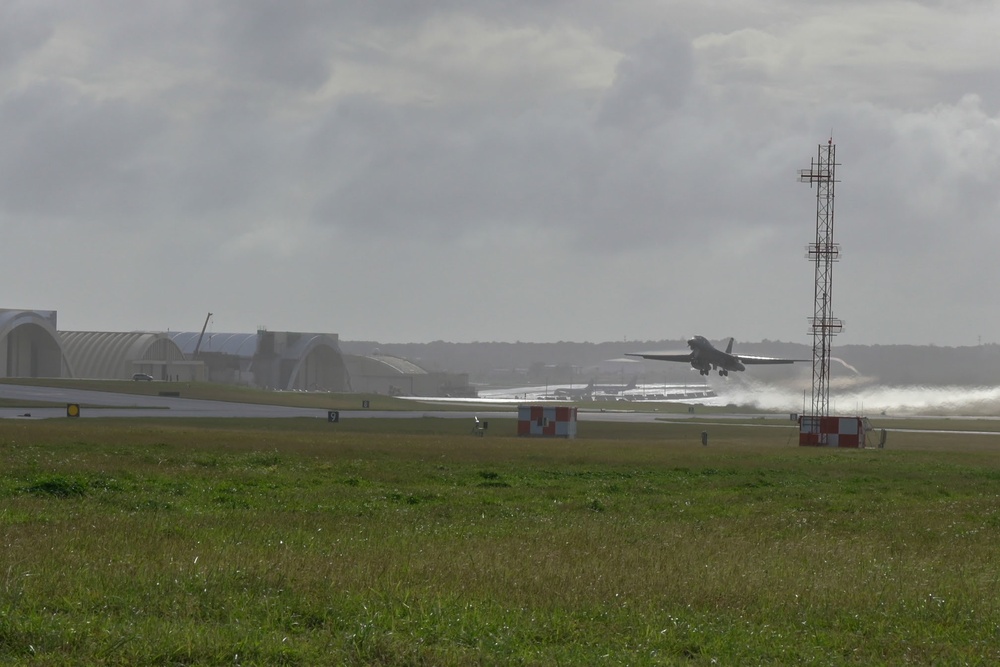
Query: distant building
x=107 y=355
x=283 y=360
x=30 y=345
x=227 y=357
x=395 y=376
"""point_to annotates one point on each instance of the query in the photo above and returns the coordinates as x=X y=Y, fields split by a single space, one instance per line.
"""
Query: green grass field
x=411 y=542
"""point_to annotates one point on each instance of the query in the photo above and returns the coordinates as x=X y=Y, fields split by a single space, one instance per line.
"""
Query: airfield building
x=395 y=376
x=30 y=346
x=284 y=360
x=107 y=355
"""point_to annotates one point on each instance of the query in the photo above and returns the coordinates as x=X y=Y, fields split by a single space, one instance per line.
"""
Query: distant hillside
x=496 y=362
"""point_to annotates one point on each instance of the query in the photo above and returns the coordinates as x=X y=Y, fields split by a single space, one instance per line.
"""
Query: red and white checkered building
x=546 y=421
x=831 y=431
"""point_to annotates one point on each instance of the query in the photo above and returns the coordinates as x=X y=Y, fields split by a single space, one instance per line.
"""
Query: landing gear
x=723 y=372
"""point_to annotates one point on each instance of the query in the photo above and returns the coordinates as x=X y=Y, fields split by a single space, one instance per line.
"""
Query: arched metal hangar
x=285 y=360
x=120 y=355
x=395 y=376
x=30 y=345
x=309 y=361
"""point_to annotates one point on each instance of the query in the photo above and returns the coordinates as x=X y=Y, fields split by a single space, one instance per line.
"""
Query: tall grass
x=405 y=543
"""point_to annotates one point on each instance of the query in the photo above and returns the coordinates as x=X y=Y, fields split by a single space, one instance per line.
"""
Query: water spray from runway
x=851 y=395
x=868 y=400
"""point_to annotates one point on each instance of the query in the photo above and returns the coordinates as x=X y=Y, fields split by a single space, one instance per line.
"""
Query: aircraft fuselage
x=706 y=358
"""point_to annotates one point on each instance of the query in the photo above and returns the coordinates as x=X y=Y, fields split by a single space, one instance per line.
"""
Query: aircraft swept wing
x=705 y=357
x=662 y=356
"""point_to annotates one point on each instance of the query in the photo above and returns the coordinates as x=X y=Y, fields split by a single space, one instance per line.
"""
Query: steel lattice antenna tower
x=824 y=252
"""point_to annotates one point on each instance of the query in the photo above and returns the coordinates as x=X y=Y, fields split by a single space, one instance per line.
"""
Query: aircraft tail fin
x=729 y=348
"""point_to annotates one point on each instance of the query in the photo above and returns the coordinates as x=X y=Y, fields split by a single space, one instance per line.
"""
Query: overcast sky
x=523 y=170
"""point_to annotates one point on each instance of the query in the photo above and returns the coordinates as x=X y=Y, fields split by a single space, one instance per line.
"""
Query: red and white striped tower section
x=823 y=252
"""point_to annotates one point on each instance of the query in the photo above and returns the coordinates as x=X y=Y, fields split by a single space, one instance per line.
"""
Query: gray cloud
x=638 y=163
x=70 y=156
x=285 y=44
x=650 y=83
x=23 y=27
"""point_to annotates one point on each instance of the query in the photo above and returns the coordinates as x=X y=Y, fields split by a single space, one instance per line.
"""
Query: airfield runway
x=108 y=404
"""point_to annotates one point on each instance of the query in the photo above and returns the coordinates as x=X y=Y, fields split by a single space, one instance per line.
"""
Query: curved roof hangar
x=30 y=346
x=117 y=355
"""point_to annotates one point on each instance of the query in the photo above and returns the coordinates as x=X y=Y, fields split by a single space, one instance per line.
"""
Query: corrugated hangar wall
x=118 y=355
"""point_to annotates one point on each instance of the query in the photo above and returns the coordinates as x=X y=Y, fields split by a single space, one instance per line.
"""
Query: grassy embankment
x=412 y=542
